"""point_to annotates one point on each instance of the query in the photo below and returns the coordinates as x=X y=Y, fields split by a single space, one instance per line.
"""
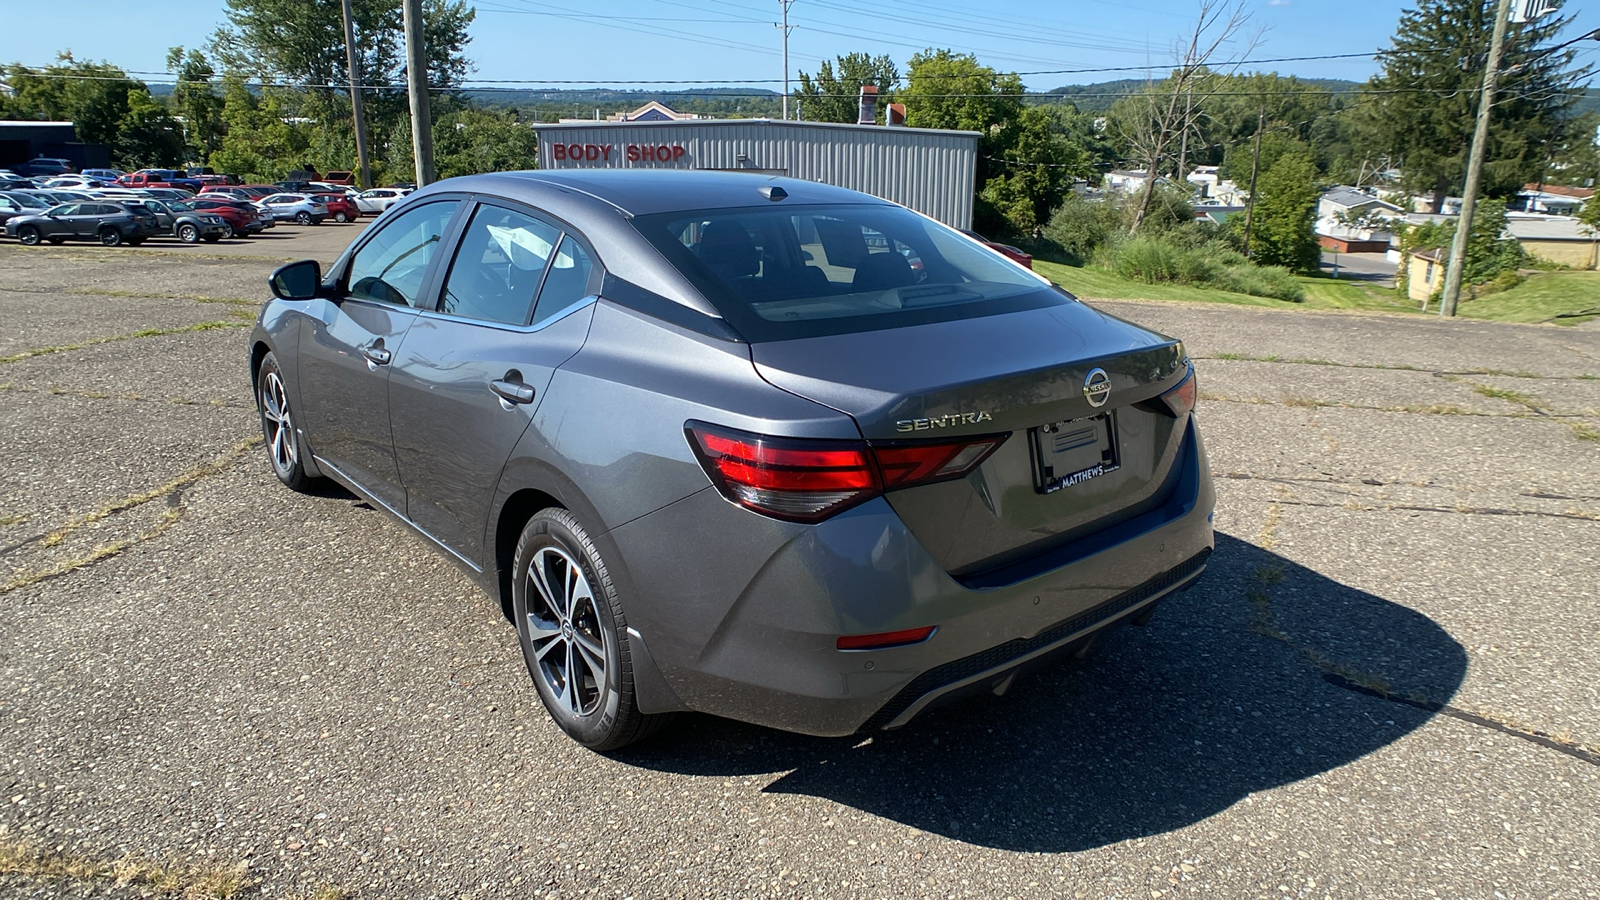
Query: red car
x=1015 y=254
x=340 y=207
x=242 y=217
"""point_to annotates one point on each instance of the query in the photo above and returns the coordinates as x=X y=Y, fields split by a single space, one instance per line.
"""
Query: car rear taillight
x=1181 y=399
x=802 y=480
x=885 y=639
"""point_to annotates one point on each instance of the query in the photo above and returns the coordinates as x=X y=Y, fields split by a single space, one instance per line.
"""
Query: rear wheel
x=110 y=237
x=29 y=234
x=188 y=233
x=304 y=218
x=341 y=217
x=277 y=426
x=573 y=634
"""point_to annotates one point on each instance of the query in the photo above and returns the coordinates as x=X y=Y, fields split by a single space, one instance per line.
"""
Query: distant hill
x=1098 y=97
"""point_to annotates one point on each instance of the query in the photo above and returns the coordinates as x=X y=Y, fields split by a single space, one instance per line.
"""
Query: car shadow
x=1240 y=685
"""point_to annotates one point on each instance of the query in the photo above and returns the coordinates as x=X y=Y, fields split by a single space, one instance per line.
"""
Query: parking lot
x=1388 y=685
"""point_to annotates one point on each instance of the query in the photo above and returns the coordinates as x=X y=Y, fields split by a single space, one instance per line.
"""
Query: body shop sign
x=605 y=153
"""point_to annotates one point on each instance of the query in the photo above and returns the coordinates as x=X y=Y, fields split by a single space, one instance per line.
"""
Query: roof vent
x=773 y=192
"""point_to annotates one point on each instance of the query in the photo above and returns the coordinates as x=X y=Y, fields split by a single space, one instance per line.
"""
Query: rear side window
x=780 y=273
x=496 y=273
x=567 y=282
x=390 y=267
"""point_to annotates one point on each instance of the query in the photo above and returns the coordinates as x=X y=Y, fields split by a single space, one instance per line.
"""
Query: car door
x=347 y=350
x=514 y=305
x=65 y=220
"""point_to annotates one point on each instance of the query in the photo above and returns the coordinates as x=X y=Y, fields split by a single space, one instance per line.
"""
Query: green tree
x=831 y=97
x=93 y=96
x=148 y=135
x=1590 y=214
x=1421 y=107
x=1285 y=209
x=472 y=141
x=1026 y=159
x=260 y=144
x=195 y=100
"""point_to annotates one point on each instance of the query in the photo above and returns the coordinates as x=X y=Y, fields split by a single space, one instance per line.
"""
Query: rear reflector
x=886 y=639
x=801 y=480
x=1181 y=399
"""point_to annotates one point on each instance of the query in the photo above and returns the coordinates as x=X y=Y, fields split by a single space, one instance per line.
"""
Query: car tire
x=277 y=427
x=110 y=237
x=188 y=234
x=29 y=234
x=573 y=634
x=304 y=218
x=227 y=232
x=341 y=217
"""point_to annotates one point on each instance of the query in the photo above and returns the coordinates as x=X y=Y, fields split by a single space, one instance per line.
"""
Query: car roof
x=641 y=192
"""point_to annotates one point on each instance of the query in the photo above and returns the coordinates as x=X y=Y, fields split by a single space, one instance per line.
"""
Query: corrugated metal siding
x=930 y=171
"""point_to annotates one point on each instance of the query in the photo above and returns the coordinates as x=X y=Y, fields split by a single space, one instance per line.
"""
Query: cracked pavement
x=1388 y=684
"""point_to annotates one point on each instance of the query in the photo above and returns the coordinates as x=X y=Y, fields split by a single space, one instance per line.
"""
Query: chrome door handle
x=376 y=356
x=512 y=391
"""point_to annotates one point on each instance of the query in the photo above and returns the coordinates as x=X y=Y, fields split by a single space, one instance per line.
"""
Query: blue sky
x=732 y=41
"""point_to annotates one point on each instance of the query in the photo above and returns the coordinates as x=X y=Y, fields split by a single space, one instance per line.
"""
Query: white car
x=72 y=183
x=379 y=199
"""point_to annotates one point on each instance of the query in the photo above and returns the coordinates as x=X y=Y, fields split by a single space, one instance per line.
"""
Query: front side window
x=497 y=271
x=779 y=273
x=390 y=267
x=65 y=209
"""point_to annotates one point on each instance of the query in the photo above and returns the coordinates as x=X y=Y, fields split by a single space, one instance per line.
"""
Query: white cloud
x=1277 y=2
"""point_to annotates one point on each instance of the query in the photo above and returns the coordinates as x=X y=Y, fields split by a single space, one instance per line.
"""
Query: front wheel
x=188 y=234
x=110 y=237
x=227 y=232
x=28 y=234
x=303 y=218
x=277 y=426
x=573 y=634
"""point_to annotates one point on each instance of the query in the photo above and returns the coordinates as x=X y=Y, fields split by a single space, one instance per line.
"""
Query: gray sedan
x=750 y=446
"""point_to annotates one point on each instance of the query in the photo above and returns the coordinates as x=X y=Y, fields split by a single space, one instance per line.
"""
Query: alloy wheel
x=280 y=424
x=569 y=644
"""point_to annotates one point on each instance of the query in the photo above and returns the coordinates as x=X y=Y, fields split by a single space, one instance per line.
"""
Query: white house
x=1368 y=234
x=1556 y=199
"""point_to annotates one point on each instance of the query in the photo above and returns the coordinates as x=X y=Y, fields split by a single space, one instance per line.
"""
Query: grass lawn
x=1321 y=293
x=1543 y=297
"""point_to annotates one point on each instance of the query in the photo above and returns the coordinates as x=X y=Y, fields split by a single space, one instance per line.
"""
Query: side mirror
x=297 y=280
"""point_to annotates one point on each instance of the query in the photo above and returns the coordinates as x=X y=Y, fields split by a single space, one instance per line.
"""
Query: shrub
x=1160 y=259
x=1081 y=227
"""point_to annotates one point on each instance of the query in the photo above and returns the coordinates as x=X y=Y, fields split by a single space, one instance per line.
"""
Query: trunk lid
x=1068 y=467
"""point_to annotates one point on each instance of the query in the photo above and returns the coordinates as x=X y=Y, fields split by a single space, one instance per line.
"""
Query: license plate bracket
x=1071 y=452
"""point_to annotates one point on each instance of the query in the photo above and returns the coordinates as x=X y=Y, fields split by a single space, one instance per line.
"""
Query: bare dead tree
x=1172 y=107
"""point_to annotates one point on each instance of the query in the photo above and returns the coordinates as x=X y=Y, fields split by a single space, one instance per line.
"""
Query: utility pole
x=417 y=85
x=1480 y=138
x=1183 y=140
x=363 y=170
x=1255 y=169
x=784 y=5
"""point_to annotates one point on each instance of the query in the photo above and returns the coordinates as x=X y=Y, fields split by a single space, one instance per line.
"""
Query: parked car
x=161 y=193
x=12 y=206
x=297 y=187
x=44 y=165
x=183 y=221
x=717 y=453
x=377 y=200
x=28 y=200
x=159 y=178
x=103 y=175
x=53 y=197
x=1015 y=254
x=242 y=217
x=108 y=222
x=340 y=208
x=257 y=191
x=12 y=181
x=72 y=183
x=300 y=208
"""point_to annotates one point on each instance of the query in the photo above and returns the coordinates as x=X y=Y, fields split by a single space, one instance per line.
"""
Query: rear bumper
x=741 y=613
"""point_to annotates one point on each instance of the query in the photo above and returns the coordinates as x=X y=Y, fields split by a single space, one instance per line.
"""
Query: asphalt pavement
x=1388 y=684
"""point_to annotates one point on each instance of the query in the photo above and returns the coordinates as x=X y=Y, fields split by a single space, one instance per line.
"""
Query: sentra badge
x=970 y=418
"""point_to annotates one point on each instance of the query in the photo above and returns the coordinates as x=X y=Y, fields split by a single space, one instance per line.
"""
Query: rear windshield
x=793 y=272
